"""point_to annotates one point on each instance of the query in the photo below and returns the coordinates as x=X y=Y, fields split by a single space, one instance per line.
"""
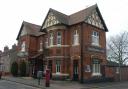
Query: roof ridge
x=83 y=9
x=57 y=11
x=28 y=23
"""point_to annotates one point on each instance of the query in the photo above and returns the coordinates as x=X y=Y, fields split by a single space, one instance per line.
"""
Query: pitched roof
x=60 y=16
x=80 y=16
x=32 y=29
x=77 y=17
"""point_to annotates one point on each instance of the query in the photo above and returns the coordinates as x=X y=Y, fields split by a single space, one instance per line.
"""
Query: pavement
x=64 y=84
x=53 y=84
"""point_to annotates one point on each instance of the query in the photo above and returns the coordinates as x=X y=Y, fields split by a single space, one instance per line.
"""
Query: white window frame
x=59 y=38
x=51 y=39
x=95 y=38
x=117 y=70
x=58 y=66
x=41 y=46
x=46 y=43
x=76 y=38
x=23 y=47
x=96 y=68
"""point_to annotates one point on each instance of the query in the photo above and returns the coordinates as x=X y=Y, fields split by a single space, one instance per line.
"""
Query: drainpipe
x=81 y=53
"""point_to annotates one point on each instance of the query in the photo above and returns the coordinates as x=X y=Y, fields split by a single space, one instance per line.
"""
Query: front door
x=75 y=70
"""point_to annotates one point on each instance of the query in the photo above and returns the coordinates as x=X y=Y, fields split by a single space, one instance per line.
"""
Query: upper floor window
x=95 y=38
x=46 y=42
x=23 y=46
x=76 y=38
x=51 y=39
x=41 y=46
x=58 y=38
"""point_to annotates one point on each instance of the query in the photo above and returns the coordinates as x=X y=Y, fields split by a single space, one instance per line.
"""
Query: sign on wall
x=96 y=49
x=87 y=68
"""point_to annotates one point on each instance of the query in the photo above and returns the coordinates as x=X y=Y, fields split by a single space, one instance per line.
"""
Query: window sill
x=96 y=74
x=75 y=44
x=58 y=46
x=62 y=74
x=40 y=50
x=93 y=44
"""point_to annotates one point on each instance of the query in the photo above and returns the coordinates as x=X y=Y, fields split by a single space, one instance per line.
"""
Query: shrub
x=14 y=69
x=22 y=68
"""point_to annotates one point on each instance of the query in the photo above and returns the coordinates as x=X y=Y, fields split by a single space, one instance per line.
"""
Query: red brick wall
x=111 y=72
x=74 y=51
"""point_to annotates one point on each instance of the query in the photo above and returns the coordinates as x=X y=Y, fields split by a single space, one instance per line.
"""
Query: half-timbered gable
x=94 y=19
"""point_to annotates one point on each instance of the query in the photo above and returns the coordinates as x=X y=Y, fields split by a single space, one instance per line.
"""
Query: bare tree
x=118 y=49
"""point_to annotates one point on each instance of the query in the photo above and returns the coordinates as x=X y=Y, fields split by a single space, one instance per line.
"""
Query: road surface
x=13 y=85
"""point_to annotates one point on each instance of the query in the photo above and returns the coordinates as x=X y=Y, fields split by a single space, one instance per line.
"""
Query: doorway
x=75 y=70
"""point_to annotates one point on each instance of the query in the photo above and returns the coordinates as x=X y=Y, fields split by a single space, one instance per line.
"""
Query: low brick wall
x=118 y=74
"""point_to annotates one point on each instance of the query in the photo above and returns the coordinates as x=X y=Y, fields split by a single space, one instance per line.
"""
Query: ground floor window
x=96 y=67
x=58 y=66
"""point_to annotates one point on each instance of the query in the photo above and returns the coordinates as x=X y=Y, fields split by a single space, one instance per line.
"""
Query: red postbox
x=47 y=78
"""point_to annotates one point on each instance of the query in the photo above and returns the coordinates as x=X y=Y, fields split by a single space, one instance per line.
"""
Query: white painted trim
x=58 y=57
x=58 y=46
x=63 y=74
x=76 y=44
x=55 y=28
x=96 y=74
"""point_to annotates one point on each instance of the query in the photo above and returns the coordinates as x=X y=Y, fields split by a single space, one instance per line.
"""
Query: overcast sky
x=13 y=12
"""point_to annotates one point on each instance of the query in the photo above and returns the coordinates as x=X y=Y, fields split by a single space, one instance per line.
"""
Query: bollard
x=47 y=78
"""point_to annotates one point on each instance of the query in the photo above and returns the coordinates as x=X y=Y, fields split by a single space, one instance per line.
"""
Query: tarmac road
x=12 y=85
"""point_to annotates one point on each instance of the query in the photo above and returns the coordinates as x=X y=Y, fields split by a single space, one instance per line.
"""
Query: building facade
x=5 y=61
x=76 y=44
x=30 y=47
x=13 y=54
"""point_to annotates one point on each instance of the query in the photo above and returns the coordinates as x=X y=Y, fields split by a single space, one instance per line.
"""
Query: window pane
x=96 y=66
x=95 y=38
x=58 y=37
x=58 y=65
x=76 y=38
x=51 y=39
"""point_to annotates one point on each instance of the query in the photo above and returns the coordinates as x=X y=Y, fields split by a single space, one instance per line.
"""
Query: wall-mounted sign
x=96 y=49
x=87 y=68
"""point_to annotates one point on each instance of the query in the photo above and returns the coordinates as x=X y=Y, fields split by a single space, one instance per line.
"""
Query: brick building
x=30 y=49
x=5 y=61
x=76 y=44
